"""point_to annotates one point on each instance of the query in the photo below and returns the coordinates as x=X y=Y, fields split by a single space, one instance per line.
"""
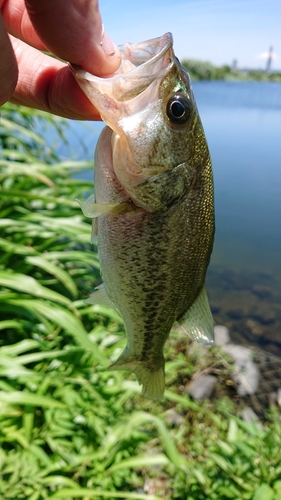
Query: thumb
x=74 y=32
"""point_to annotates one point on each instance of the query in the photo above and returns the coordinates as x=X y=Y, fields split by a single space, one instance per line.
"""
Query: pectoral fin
x=99 y=296
x=92 y=209
x=198 y=321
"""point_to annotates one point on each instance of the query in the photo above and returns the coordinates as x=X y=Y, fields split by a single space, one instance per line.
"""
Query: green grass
x=68 y=427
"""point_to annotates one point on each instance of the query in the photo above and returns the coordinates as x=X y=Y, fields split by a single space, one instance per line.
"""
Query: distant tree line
x=204 y=70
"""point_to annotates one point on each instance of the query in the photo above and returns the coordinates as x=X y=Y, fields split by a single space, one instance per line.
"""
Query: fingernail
x=107 y=45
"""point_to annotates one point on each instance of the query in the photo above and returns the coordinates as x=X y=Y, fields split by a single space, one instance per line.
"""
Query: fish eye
x=179 y=109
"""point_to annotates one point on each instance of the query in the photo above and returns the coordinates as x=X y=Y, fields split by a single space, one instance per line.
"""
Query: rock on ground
x=221 y=335
x=246 y=373
x=202 y=387
x=250 y=416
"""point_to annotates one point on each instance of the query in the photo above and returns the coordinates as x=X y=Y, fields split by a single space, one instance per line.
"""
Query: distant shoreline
x=204 y=70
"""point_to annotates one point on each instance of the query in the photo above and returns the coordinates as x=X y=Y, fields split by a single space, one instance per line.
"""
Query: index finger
x=8 y=65
x=48 y=84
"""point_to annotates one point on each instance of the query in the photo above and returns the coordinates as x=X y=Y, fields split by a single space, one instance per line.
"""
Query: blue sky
x=214 y=30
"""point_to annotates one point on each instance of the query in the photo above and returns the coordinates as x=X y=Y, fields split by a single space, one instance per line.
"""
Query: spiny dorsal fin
x=198 y=321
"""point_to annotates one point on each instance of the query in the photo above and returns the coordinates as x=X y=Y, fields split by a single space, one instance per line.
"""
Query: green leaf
x=90 y=258
x=229 y=492
x=106 y=311
x=10 y=323
x=12 y=369
x=55 y=480
x=75 y=165
x=220 y=461
x=138 y=462
x=200 y=476
x=232 y=433
x=13 y=435
x=264 y=492
x=246 y=449
x=25 y=398
x=90 y=493
x=54 y=270
x=34 y=357
x=15 y=248
x=67 y=320
x=185 y=401
x=9 y=411
x=254 y=429
x=16 y=128
x=277 y=485
x=17 y=193
x=13 y=154
x=32 y=171
x=70 y=226
x=27 y=284
x=140 y=418
x=19 y=347
x=225 y=448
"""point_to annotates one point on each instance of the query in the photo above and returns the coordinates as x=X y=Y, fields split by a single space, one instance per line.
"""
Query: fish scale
x=155 y=206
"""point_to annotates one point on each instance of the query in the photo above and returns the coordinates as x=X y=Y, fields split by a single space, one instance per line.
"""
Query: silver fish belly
x=154 y=203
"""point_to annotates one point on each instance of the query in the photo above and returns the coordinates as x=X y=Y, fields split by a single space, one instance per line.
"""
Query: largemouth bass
x=154 y=204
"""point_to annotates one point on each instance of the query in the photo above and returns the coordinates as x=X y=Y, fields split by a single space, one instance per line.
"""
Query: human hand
x=71 y=30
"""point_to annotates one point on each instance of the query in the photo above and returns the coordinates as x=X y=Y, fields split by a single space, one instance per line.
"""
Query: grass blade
x=24 y=398
x=26 y=284
x=138 y=462
x=56 y=271
x=90 y=493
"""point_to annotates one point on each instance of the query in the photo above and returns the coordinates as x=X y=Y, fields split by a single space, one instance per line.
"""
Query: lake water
x=242 y=121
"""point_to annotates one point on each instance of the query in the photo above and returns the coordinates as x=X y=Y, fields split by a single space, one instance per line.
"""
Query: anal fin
x=198 y=321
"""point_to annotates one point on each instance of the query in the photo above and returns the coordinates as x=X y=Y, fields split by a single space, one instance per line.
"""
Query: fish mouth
x=143 y=64
x=147 y=52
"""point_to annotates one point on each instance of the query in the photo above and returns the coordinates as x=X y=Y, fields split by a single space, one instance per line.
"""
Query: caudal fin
x=153 y=382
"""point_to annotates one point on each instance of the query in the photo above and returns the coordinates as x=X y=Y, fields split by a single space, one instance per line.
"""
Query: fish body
x=154 y=204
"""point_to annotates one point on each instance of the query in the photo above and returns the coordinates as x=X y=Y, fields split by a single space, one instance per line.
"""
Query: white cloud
x=265 y=55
